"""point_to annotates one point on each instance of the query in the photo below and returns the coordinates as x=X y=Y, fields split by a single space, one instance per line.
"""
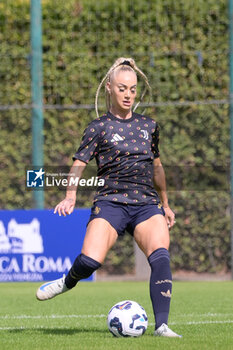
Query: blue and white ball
x=127 y=319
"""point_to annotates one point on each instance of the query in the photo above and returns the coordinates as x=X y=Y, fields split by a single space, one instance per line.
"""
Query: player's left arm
x=160 y=186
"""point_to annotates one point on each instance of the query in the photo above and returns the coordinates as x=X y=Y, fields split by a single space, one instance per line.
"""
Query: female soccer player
x=125 y=145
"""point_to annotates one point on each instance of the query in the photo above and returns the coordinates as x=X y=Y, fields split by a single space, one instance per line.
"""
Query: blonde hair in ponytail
x=126 y=64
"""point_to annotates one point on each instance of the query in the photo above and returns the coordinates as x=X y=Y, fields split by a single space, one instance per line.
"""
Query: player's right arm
x=66 y=206
x=87 y=150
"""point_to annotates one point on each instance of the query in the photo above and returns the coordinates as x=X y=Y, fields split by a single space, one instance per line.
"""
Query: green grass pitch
x=201 y=311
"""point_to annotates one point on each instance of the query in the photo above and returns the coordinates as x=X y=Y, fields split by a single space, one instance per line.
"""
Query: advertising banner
x=37 y=245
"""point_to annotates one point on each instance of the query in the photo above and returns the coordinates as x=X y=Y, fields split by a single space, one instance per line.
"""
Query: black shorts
x=124 y=217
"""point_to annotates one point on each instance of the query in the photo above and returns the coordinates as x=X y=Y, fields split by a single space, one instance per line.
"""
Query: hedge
x=183 y=48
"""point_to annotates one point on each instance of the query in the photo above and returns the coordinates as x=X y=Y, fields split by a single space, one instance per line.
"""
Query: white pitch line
x=103 y=315
x=208 y=314
x=201 y=322
x=14 y=317
x=11 y=328
x=150 y=324
x=23 y=328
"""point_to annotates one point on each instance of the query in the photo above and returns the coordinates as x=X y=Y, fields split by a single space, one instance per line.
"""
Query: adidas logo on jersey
x=116 y=137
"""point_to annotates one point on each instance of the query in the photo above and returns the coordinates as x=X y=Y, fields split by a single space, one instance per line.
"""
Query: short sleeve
x=88 y=148
x=155 y=142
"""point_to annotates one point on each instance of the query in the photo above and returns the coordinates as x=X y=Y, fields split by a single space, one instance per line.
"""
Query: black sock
x=83 y=267
x=160 y=285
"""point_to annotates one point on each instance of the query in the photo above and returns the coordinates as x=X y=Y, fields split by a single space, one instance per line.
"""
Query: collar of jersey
x=110 y=115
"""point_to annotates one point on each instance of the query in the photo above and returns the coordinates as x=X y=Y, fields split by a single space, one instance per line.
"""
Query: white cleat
x=49 y=290
x=165 y=331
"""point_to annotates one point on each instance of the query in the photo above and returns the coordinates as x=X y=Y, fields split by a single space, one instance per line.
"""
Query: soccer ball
x=127 y=319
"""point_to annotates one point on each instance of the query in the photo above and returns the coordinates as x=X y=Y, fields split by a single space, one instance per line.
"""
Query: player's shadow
x=66 y=331
x=58 y=331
